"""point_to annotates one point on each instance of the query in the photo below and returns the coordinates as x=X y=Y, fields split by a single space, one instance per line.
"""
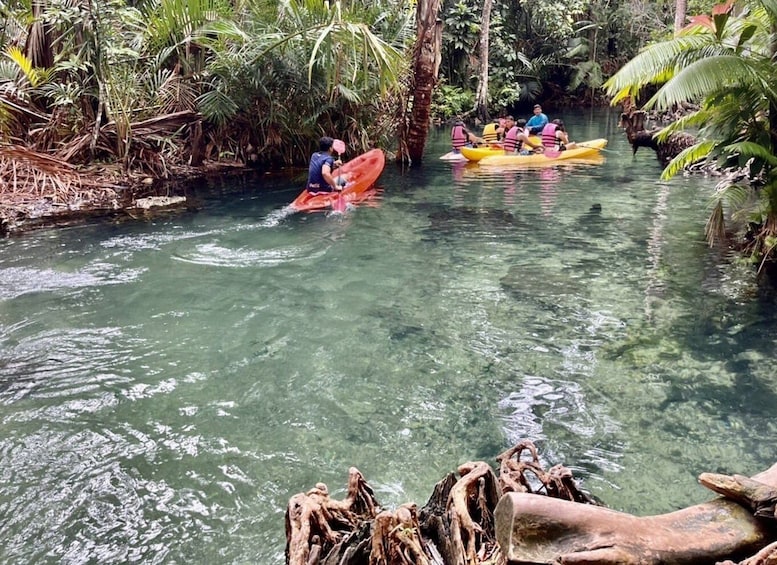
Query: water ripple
x=220 y=256
x=18 y=281
x=68 y=371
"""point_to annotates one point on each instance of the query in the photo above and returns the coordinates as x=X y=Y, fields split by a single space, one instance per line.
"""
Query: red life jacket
x=549 y=135
x=459 y=136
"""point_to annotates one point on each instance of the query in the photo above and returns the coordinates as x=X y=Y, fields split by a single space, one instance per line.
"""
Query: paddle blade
x=339 y=205
x=339 y=145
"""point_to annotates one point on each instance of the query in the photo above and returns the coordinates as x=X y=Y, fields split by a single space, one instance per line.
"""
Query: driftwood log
x=534 y=529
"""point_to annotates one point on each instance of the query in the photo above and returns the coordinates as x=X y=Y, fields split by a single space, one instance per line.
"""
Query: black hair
x=520 y=123
x=325 y=143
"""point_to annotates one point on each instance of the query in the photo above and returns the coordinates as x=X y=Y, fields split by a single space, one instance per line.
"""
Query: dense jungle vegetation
x=142 y=87
x=268 y=78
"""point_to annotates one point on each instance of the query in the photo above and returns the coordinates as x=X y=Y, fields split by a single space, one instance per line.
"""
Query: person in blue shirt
x=537 y=121
x=321 y=167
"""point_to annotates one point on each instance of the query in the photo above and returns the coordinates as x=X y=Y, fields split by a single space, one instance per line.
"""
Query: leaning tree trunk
x=481 y=99
x=426 y=65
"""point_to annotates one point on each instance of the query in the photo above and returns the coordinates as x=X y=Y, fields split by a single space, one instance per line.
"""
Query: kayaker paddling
x=321 y=169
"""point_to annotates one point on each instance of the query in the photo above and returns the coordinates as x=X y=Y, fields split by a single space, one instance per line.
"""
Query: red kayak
x=361 y=171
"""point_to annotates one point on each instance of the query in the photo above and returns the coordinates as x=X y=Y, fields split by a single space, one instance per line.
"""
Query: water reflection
x=550 y=180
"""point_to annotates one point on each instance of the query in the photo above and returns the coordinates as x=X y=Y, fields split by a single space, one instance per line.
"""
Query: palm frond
x=687 y=157
x=701 y=78
x=217 y=106
x=23 y=64
x=655 y=64
x=688 y=121
x=715 y=228
x=747 y=150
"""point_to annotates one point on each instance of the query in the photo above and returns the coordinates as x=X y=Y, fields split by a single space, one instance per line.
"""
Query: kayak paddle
x=339 y=205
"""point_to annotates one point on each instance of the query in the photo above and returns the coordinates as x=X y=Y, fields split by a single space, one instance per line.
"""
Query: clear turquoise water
x=166 y=386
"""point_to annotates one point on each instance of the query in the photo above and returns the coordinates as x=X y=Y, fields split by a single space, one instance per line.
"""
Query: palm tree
x=426 y=65
x=724 y=63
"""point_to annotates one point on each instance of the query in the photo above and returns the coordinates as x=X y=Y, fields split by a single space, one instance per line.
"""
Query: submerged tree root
x=456 y=526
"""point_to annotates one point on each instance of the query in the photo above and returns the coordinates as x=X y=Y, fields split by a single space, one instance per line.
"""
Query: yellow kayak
x=478 y=153
x=584 y=150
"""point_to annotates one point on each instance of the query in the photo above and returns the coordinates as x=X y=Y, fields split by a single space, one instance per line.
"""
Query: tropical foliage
x=77 y=76
x=724 y=63
x=258 y=80
x=542 y=49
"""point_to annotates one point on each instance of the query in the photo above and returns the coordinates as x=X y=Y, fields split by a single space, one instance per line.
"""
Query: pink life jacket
x=511 y=142
x=549 y=135
x=459 y=136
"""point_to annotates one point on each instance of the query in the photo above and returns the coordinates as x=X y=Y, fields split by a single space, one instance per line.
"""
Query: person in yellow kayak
x=321 y=169
x=493 y=132
x=517 y=136
x=555 y=137
x=461 y=136
x=537 y=121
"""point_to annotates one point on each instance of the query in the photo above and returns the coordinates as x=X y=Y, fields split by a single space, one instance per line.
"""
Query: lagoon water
x=167 y=385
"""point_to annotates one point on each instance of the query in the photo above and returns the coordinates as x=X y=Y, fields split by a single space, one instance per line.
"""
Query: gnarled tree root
x=529 y=515
x=558 y=482
x=396 y=538
x=455 y=527
x=767 y=556
x=315 y=523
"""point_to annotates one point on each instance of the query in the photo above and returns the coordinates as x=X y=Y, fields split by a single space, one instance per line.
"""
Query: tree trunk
x=426 y=65
x=681 y=8
x=481 y=99
x=772 y=105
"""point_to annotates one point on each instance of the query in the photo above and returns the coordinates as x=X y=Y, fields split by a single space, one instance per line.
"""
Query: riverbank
x=38 y=191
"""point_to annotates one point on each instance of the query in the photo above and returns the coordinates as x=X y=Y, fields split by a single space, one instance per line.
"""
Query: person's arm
x=472 y=138
x=529 y=142
x=326 y=172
